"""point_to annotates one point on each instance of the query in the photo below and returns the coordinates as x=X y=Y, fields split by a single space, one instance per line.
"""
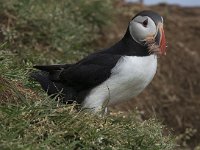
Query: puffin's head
x=146 y=28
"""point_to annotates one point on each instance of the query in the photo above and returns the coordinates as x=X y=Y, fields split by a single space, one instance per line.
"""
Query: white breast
x=128 y=78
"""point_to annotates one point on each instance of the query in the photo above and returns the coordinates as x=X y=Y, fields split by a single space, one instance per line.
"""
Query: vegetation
x=51 y=27
x=34 y=31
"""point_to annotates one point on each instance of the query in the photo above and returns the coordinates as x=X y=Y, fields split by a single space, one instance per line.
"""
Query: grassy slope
x=45 y=124
x=31 y=120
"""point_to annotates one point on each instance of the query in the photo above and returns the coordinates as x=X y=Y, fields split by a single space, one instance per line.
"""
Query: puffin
x=111 y=75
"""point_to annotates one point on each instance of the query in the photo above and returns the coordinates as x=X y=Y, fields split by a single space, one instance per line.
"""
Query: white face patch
x=139 y=29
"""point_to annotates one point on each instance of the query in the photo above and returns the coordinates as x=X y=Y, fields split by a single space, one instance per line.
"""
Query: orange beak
x=162 y=40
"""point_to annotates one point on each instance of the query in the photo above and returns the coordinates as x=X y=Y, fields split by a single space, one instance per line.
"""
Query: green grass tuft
x=45 y=124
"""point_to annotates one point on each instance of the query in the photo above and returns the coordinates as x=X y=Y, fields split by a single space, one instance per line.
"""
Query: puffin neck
x=127 y=47
x=132 y=47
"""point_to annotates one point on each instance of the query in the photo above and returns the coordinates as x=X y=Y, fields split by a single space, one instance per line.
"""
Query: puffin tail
x=54 y=89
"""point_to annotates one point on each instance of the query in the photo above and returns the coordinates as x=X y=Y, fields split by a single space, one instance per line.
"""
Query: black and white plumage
x=111 y=75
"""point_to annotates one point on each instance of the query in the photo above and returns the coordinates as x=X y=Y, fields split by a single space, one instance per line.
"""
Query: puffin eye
x=145 y=23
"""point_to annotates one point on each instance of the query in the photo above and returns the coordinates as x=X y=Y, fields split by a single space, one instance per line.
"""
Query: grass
x=34 y=121
x=46 y=28
x=29 y=118
x=47 y=125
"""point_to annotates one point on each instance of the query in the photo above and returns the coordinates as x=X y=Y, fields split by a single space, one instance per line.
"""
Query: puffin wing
x=90 y=71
